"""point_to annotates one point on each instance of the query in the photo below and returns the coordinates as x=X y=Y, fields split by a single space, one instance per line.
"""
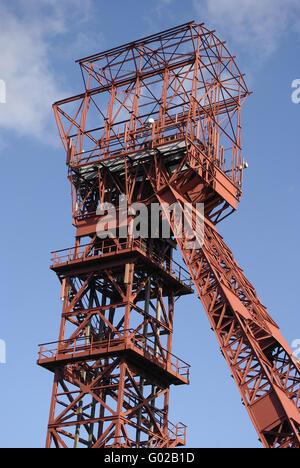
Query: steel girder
x=261 y=362
x=167 y=129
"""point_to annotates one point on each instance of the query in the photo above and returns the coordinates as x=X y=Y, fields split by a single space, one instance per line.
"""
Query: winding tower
x=159 y=121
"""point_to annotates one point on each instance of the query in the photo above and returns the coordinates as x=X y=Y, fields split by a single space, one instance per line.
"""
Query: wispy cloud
x=26 y=33
x=161 y=7
x=256 y=26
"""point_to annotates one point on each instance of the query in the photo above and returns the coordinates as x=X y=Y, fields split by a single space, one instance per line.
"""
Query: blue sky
x=40 y=39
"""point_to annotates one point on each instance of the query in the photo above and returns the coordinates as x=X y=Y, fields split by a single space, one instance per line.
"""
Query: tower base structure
x=113 y=364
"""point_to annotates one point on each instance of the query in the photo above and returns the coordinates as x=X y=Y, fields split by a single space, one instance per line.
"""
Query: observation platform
x=83 y=259
x=141 y=351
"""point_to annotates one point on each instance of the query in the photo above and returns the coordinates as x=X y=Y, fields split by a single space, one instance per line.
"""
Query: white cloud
x=25 y=65
x=255 y=25
x=30 y=84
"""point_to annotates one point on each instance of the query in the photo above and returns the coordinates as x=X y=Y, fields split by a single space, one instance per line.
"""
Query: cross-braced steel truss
x=159 y=120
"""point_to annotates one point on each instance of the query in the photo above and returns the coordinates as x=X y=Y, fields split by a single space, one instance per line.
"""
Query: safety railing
x=129 y=141
x=175 y=434
x=177 y=431
x=102 y=248
x=177 y=124
x=151 y=347
x=90 y=344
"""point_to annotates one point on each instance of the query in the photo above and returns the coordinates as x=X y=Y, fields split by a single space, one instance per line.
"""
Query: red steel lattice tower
x=158 y=121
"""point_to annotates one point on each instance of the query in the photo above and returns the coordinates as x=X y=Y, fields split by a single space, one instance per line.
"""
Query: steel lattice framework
x=158 y=121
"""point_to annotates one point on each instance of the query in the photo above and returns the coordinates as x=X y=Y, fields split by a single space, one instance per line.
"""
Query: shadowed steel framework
x=158 y=121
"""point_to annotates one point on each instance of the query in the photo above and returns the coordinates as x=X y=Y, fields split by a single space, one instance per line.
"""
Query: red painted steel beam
x=260 y=360
x=186 y=80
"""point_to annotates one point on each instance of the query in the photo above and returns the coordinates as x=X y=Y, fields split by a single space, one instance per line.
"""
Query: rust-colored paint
x=168 y=129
